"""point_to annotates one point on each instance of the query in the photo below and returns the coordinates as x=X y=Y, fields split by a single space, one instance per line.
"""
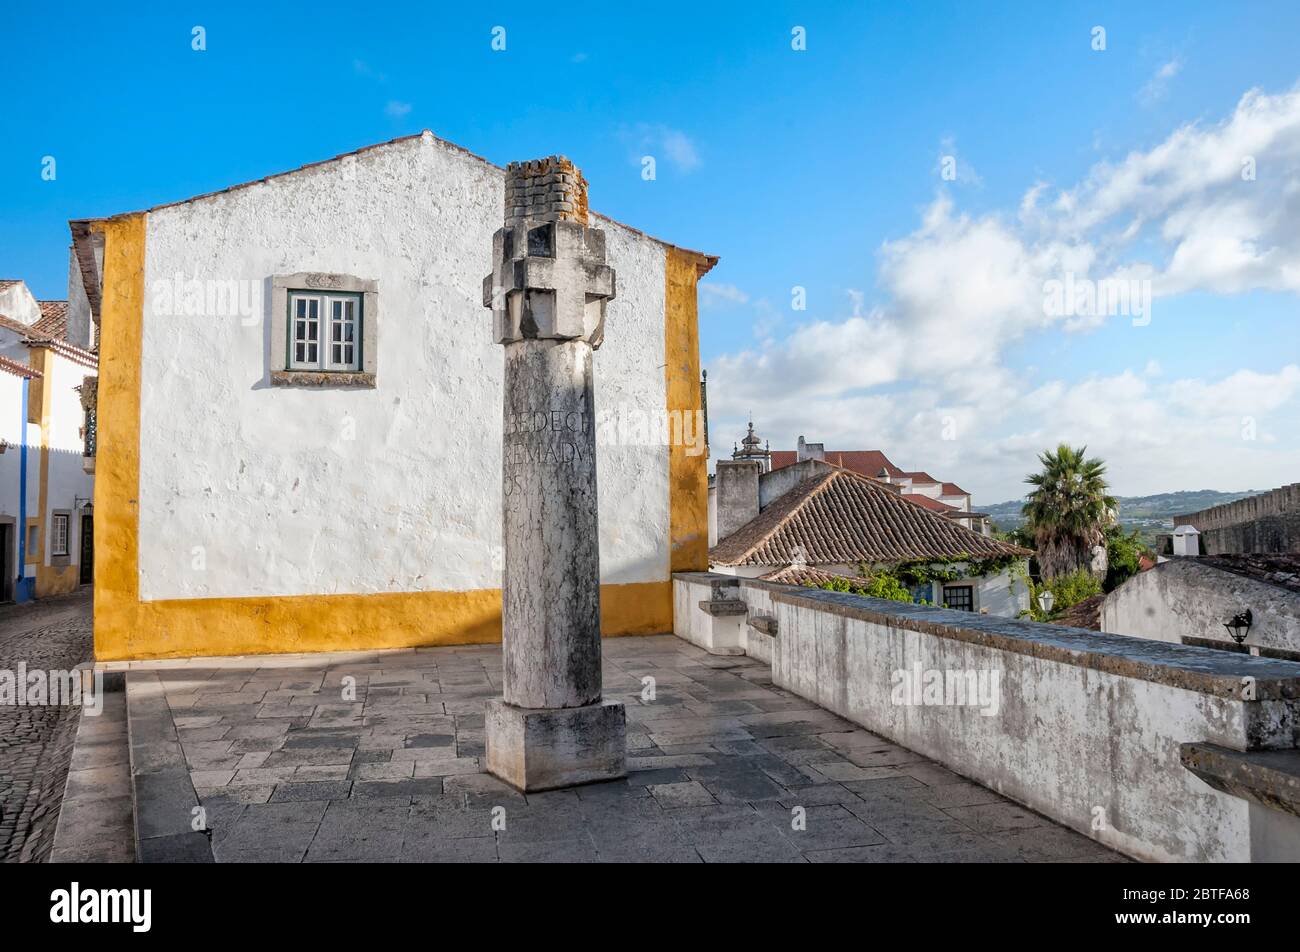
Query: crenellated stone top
x=549 y=189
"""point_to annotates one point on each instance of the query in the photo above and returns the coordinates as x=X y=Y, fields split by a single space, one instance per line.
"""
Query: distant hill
x=1151 y=514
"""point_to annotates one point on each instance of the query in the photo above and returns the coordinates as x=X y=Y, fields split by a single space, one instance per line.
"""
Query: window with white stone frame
x=59 y=534
x=323 y=330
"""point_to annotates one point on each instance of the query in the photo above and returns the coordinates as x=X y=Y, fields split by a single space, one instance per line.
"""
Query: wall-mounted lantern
x=1239 y=627
x=1045 y=601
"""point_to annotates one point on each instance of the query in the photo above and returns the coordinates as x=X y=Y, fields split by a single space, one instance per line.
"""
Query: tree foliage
x=1123 y=556
x=1068 y=510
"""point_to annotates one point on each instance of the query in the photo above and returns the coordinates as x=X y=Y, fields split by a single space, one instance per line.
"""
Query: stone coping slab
x=1204 y=670
x=163 y=792
x=1269 y=778
x=96 y=821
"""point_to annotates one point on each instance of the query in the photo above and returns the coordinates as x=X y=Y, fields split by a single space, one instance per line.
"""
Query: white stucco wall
x=12 y=425
x=18 y=303
x=248 y=489
x=1186 y=597
x=68 y=479
x=80 y=321
x=1005 y=594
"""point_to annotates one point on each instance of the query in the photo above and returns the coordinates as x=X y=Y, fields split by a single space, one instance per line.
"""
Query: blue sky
x=817 y=168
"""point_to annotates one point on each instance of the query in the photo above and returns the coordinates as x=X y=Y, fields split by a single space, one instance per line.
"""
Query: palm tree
x=1068 y=510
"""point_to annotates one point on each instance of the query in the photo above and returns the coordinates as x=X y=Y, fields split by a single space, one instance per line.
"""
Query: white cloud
x=663 y=142
x=960 y=289
x=362 y=68
x=1158 y=85
x=713 y=293
x=397 y=110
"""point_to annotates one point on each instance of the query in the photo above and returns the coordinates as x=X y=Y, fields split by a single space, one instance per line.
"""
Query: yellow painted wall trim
x=182 y=628
x=688 y=474
x=117 y=466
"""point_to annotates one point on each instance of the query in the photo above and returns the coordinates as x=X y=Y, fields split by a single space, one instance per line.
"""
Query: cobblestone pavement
x=291 y=767
x=36 y=742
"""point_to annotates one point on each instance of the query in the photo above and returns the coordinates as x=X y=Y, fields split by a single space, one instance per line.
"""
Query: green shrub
x=882 y=585
x=1069 y=590
x=1123 y=556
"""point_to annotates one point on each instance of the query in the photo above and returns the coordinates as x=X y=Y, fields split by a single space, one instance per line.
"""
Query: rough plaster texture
x=776 y=483
x=18 y=303
x=80 y=320
x=248 y=489
x=736 y=494
x=1184 y=597
x=1077 y=735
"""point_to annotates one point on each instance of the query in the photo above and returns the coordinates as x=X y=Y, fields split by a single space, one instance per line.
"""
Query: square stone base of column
x=545 y=748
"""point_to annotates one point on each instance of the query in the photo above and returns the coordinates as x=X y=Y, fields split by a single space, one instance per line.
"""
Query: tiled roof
x=926 y=502
x=18 y=327
x=1282 y=570
x=841 y=517
x=17 y=369
x=53 y=321
x=952 y=489
x=6 y=283
x=866 y=462
x=807 y=575
x=32 y=336
x=1084 y=614
x=920 y=477
x=78 y=355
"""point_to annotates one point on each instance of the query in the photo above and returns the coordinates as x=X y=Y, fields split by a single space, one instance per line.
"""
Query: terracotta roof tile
x=53 y=321
x=1085 y=614
x=920 y=477
x=806 y=575
x=952 y=489
x=17 y=369
x=867 y=462
x=18 y=327
x=841 y=517
x=926 y=502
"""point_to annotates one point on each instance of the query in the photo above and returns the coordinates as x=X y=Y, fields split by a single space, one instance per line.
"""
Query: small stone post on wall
x=547 y=292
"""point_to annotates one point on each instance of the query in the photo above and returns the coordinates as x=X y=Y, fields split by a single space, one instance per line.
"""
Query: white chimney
x=1187 y=541
x=810 y=451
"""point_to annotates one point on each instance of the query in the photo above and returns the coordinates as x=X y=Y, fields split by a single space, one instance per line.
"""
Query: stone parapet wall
x=1084 y=727
x=1269 y=522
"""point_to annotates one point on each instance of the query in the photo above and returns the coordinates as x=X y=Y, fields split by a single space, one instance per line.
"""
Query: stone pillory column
x=547 y=292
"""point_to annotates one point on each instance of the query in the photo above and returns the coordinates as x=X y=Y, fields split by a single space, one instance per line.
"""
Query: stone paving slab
x=378 y=756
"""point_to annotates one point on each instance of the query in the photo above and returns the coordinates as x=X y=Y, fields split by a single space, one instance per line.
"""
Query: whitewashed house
x=46 y=481
x=308 y=371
